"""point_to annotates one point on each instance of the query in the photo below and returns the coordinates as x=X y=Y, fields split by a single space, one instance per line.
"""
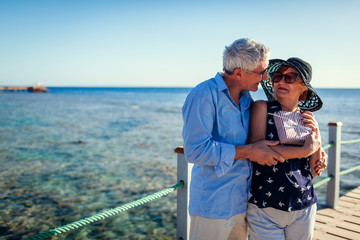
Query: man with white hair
x=216 y=117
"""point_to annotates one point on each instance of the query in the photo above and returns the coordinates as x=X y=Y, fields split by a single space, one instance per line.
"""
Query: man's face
x=253 y=78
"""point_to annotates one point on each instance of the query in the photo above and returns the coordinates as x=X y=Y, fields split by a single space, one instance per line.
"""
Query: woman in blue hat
x=283 y=201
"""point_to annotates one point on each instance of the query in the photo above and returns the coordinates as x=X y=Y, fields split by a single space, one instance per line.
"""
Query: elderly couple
x=242 y=178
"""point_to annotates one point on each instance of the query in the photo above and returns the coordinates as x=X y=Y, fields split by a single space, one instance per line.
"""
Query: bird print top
x=285 y=186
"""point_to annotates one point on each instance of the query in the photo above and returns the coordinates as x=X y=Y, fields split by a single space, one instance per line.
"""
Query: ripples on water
x=71 y=153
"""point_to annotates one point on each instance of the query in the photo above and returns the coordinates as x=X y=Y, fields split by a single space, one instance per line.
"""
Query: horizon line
x=136 y=86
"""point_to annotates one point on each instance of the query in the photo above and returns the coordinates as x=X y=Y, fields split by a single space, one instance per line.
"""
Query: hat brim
x=312 y=102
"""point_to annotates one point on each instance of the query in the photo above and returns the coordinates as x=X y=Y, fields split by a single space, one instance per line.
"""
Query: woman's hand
x=309 y=121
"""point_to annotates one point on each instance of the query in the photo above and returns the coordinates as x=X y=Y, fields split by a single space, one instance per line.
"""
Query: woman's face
x=286 y=89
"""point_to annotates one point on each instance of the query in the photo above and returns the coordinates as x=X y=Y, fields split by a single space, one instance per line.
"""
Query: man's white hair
x=244 y=53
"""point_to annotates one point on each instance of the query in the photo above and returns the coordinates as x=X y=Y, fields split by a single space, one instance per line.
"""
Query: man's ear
x=238 y=72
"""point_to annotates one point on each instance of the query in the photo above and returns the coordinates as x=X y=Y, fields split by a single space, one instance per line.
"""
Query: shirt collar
x=220 y=83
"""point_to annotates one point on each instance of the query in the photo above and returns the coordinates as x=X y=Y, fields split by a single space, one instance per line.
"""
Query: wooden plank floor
x=340 y=223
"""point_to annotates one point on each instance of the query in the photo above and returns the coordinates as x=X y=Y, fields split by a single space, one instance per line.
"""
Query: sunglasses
x=288 y=77
x=260 y=73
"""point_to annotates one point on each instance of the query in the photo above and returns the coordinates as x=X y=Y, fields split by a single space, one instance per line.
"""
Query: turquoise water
x=74 y=152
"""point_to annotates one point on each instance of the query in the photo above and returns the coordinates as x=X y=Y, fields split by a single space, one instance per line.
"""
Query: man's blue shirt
x=213 y=125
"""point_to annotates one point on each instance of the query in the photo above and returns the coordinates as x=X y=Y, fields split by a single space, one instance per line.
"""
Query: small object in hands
x=291 y=130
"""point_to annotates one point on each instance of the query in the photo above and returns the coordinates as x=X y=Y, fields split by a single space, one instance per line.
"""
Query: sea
x=74 y=152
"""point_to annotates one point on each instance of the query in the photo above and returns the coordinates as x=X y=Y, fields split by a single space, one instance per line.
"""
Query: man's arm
x=311 y=145
x=199 y=145
x=258 y=131
x=260 y=149
x=259 y=152
x=318 y=160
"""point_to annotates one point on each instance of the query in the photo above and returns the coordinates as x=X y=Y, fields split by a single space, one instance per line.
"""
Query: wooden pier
x=35 y=88
x=342 y=222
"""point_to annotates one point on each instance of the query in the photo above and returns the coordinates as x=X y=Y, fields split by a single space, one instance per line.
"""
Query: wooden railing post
x=333 y=187
x=183 y=217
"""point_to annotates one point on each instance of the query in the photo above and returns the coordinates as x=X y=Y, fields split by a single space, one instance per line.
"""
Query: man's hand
x=321 y=164
x=263 y=154
x=312 y=144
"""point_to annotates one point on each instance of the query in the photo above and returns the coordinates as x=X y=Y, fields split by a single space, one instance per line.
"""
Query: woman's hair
x=245 y=54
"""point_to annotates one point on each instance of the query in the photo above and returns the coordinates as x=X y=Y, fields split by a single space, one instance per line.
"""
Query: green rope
x=349 y=170
x=105 y=214
x=342 y=142
x=351 y=141
x=322 y=182
x=329 y=145
x=343 y=172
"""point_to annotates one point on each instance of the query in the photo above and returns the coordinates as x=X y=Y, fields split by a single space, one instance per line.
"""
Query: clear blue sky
x=172 y=42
